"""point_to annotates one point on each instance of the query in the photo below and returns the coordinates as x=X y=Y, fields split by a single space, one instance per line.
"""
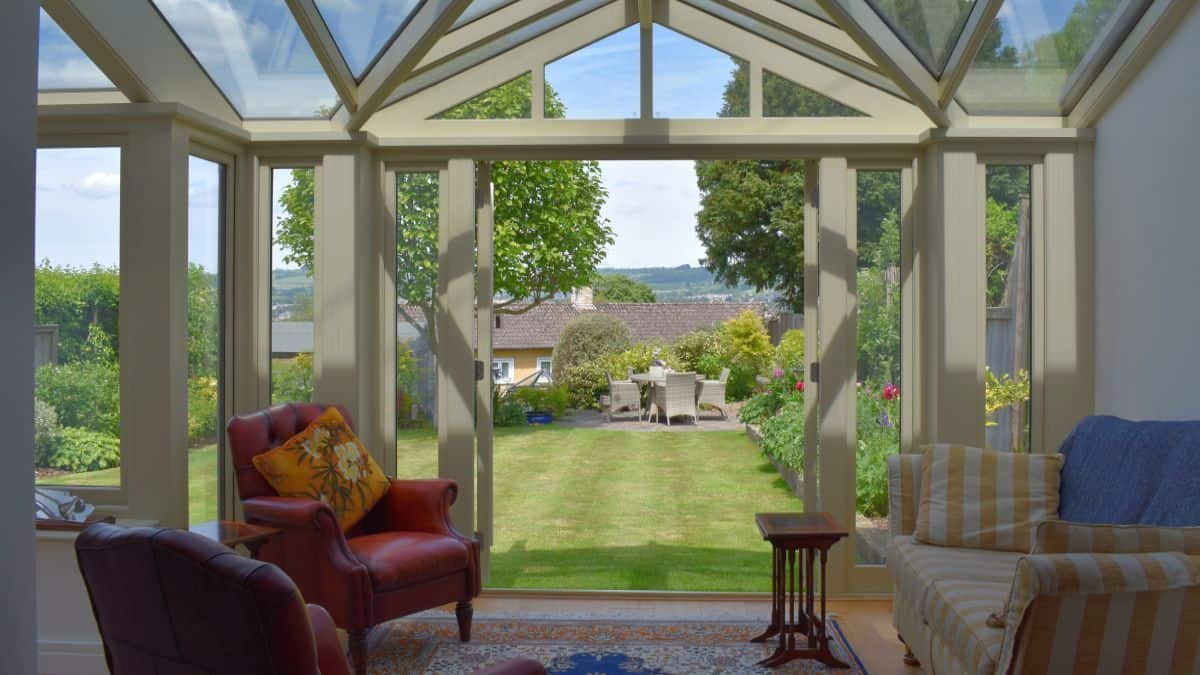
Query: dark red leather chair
x=169 y=601
x=404 y=557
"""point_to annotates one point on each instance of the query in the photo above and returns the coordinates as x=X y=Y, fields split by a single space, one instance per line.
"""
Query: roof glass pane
x=512 y=100
x=477 y=9
x=929 y=27
x=784 y=98
x=599 y=81
x=694 y=80
x=362 y=28
x=1031 y=50
x=62 y=64
x=255 y=53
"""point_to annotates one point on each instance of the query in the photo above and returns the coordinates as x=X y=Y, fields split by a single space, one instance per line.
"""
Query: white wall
x=18 y=137
x=1148 y=238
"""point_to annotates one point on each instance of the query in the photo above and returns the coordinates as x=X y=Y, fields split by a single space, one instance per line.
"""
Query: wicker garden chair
x=677 y=397
x=623 y=395
x=712 y=393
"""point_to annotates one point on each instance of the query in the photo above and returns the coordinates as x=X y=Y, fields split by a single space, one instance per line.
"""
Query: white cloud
x=99 y=185
x=652 y=208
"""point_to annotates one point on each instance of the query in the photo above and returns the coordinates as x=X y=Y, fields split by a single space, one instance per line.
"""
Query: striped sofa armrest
x=1061 y=536
x=904 y=493
x=1137 y=610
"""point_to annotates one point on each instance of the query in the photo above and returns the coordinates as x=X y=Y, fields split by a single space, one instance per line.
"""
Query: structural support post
x=153 y=322
x=18 y=133
x=484 y=435
x=455 y=328
x=812 y=348
x=347 y=360
x=952 y=314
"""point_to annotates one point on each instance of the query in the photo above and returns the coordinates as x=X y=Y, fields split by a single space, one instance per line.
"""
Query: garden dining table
x=648 y=378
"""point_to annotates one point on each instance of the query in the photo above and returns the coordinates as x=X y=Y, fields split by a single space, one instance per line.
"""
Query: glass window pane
x=76 y=306
x=416 y=324
x=363 y=29
x=479 y=8
x=509 y=101
x=255 y=52
x=784 y=98
x=62 y=64
x=694 y=80
x=1009 y=263
x=206 y=181
x=599 y=81
x=1030 y=51
x=292 y=313
x=878 y=360
x=929 y=27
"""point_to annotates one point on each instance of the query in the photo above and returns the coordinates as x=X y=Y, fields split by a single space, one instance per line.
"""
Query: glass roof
x=477 y=9
x=1031 y=50
x=254 y=51
x=693 y=80
x=929 y=27
x=598 y=81
x=362 y=28
x=62 y=64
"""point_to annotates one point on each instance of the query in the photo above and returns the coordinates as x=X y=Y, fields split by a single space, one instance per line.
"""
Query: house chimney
x=581 y=298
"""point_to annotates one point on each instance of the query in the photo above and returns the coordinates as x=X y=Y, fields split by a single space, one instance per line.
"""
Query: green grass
x=587 y=508
x=202 y=482
x=596 y=509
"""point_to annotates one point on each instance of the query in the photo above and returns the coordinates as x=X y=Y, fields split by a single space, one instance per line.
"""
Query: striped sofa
x=1090 y=597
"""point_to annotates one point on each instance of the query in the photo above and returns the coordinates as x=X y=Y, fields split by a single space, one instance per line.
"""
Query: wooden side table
x=231 y=533
x=797 y=541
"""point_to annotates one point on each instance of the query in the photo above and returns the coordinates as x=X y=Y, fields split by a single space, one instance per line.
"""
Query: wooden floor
x=867 y=623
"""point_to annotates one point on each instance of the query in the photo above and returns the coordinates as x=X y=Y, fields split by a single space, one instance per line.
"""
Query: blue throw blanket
x=1124 y=472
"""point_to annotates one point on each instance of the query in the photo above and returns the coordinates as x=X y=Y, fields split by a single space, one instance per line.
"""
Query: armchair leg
x=910 y=659
x=464 y=612
x=358 y=650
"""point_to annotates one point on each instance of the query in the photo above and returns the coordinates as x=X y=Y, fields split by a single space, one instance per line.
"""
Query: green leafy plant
x=507 y=411
x=609 y=287
x=85 y=450
x=541 y=399
x=783 y=435
x=86 y=395
x=203 y=415
x=583 y=342
x=639 y=357
x=47 y=433
x=292 y=379
x=789 y=353
x=878 y=430
x=690 y=348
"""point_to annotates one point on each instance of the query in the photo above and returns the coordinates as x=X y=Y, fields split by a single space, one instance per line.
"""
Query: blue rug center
x=601 y=663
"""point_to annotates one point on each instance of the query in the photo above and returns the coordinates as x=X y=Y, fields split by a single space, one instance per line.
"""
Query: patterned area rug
x=588 y=647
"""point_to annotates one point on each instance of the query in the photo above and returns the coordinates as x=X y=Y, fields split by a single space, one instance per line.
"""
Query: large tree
x=550 y=236
x=612 y=287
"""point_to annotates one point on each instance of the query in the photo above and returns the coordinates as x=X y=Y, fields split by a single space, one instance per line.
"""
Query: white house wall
x=1147 y=236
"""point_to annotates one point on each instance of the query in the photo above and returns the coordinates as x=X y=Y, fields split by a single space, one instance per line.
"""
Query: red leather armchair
x=404 y=557
x=172 y=601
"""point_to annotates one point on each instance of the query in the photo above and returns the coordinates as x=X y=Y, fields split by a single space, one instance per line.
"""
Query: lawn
x=588 y=508
x=596 y=509
x=202 y=482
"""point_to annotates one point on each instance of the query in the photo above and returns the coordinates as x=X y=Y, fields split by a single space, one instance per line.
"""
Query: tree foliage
x=620 y=288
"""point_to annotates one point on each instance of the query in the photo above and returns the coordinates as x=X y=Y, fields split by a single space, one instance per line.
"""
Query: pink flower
x=799 y=385
x=891 y=392
x=778 y=373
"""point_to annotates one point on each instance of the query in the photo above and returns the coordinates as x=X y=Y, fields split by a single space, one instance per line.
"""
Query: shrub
x=783 y=435
x=541 y=399
x=639 y=357
x=47 y=434
x=85 y=450
x=689 y=349
x=84 y=394
x=203 y=415
x=292 y=379
x=745 y=350
x=507 y=411
x=587 y=338
x=878 y=436
x=789 y=353
x=584 y=383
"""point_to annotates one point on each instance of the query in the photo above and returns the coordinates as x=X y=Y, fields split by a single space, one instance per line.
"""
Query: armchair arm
x=1061 y=536
x=331 y=658
x=312 y=549
x=904 y=493
x=1093 y=606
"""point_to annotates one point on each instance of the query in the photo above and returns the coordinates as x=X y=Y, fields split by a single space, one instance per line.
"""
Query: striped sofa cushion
x=985 y=499
x=1096 y=612
x=904 y=493
x=1060 y=536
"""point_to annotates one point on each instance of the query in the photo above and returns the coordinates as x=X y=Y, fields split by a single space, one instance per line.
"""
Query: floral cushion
x=327 y=462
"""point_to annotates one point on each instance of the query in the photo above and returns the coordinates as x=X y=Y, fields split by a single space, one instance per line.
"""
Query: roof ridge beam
x=979 y=22
x=431 y=20
x=891 y=55
x=329 y=55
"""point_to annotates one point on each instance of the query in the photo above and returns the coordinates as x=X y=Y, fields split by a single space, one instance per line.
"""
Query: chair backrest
x=681 y=382
x=724 y=375
x=657 y=371
x=169 y=601
x=258 y=432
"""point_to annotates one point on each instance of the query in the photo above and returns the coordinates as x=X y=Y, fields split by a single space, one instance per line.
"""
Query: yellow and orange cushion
x=326 y=462
x=985 y=499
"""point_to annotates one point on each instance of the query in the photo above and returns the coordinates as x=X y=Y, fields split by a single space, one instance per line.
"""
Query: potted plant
x=541 y=404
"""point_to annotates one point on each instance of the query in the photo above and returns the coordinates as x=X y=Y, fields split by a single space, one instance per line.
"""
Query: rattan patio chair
x=712 y=393
x=623 y=395
x=676 y=398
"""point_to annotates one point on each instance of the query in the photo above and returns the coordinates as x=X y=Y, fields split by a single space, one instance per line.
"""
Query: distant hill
x=688 y=284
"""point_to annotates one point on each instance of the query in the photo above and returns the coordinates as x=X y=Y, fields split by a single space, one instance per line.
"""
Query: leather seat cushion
x=400 y=559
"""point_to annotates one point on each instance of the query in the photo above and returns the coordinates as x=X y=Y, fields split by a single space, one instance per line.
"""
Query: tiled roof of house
x=540 y=326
